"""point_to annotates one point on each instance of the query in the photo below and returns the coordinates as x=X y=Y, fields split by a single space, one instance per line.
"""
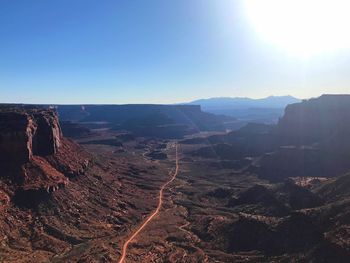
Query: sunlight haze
x=156 y=51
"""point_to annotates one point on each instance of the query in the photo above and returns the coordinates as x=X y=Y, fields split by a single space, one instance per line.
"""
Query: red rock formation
x=47 y=138
x=34 y=155
x=27 y=133
x=4 y=200
x=16 y=132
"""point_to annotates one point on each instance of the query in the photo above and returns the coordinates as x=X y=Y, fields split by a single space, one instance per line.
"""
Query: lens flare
x=302 y=27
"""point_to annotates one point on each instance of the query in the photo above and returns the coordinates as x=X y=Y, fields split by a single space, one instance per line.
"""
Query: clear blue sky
x=154 y=51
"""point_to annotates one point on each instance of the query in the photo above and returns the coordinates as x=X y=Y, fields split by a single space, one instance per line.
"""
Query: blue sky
x=155 y=51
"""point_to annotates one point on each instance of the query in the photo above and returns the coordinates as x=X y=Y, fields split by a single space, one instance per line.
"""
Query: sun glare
x=302 y=27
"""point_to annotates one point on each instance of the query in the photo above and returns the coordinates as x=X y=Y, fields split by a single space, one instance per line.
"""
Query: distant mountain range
x=265 y=110
x=245 y=103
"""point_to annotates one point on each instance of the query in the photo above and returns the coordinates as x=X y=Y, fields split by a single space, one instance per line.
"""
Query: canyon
x=261 y=193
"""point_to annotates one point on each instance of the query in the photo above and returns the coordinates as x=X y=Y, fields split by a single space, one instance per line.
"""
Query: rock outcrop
x=24 y=134
x=16 y=132
x=312 y=140
x=35 y=159
x=315 y=120
x=47 y=137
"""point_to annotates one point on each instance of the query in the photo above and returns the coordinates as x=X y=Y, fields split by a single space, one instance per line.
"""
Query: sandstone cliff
x=313 y=140
x=315 y=120
x=35 y=158
x=24 y=134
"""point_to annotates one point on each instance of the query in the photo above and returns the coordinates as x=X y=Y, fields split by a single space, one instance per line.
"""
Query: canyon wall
x=315 y=120
x=313 y=140
x=24 y=134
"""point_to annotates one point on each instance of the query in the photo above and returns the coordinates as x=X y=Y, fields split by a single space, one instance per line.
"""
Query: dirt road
x=151 y=216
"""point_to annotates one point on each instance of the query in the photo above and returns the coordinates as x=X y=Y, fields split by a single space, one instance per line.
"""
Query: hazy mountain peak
x=265 y=110
x=280 y=101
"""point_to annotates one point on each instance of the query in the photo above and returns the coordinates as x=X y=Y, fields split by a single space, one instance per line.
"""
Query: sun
x=302 y=27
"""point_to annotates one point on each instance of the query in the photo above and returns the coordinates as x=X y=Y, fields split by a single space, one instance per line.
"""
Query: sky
x=156 y=51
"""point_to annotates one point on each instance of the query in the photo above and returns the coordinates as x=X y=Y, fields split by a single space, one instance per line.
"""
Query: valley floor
x=204 y=216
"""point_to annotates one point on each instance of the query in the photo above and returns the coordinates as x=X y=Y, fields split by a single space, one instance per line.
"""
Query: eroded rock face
x=315 y=120
x=24 y=134
x=4 y=200
x=313 y=140
x=35 y=159
x=16 y=132
x=47 y=138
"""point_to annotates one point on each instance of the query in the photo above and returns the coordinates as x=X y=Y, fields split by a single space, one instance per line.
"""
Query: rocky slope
x=35 y=158
x=60 y=203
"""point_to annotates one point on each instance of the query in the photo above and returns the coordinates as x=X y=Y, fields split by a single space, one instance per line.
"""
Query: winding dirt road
x=151 y=216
